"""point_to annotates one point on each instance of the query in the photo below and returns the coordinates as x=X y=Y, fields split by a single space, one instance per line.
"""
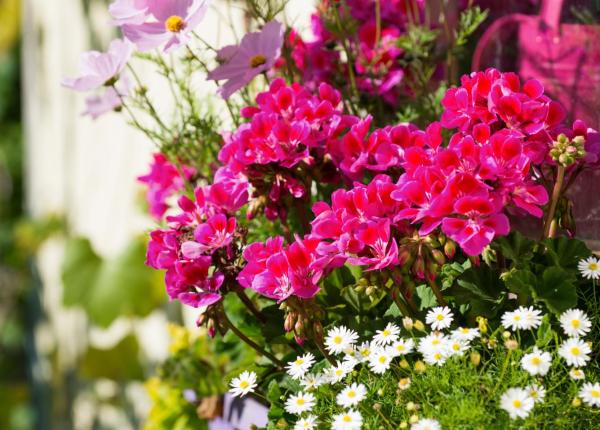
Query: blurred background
x=83 y=323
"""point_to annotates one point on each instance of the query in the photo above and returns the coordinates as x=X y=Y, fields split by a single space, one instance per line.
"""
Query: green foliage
x=120 y=363
x=107 y=289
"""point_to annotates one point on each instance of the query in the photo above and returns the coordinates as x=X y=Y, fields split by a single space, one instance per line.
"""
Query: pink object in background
x=564 y=57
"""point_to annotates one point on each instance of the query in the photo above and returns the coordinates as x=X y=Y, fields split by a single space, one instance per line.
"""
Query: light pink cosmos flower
x=129 y=11
x=108 y=101
x=98 y=68
x=168 y=22
x=256 y=53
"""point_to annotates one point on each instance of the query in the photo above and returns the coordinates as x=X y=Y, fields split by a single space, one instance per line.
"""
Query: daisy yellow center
x=595 y=393
x=404 y=381
x=299 y=362
x=517 y=317
x=464 y=330
x=435 y=342
x=339 y=372
x=533 y=394
x=536 y=361
x=352 y=394
x=257 y=60
x=365 y=352
x=347 y=418
x=337 y=340
x=400 y=347
x=575 y=323
x=386 y=332
x=456 y=346
x=244 y=384
x=439 y=317
x=300 y=402
x=575 y=351
x=174 y=24
x=593 y=266
x=516 y=403
x=437 y=356
x=382 y=359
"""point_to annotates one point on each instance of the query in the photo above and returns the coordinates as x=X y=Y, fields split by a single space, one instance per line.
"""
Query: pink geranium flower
x=256 y=53
x=168 y=22
x=216 y=232
x=101 y=69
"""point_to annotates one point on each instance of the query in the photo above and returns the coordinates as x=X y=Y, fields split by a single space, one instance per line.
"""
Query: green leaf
x=120 y=363
x=426 y=296
x=393 y=311
x=557 y=290
x=274 y=392
x=516 y=247
x=80 y=270
x=565 y=252
x=544 y=332
x=521 y=282
x=107 y=289
x=479 y=287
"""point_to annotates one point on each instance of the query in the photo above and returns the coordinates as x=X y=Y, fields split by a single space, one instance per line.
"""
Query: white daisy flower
x=338 y=372
x=380 y=360
x=439 y=317
x=299 y=403
x=434 y=342
x=426 y=424
x=364 y=351
x=352 y=395
x=589 y=268
x=575 y=352
x=513 y=320
x=299 y=367
x=456 y=347
x=307 y=423
x=312 y=381
x=590 y=394
x=401 y=347
x=517 y=402
x=576 y=374
x=386 y=336
x=245 y=383
x=537 y=392
x=435 y=357
x=536 y=362
x=532 y=318
x=575 y=323
x=339 y=339
x=404 y=383
x=464 y=333
x=349 y=420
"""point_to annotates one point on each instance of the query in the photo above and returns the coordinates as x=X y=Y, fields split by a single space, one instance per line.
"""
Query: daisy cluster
x=574 y=352
x=387 y=351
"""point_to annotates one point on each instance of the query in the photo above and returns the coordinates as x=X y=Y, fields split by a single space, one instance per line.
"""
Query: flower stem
x=502 y=372
x=438 y=293
x=250 y=305
x=249 y=341
x=560 y=177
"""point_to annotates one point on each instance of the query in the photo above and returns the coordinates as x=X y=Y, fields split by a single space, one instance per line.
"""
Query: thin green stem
x=144 y=95
x=556 y=191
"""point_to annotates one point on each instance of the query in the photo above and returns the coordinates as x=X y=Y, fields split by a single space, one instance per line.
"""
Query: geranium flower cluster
x=290 y=127
x=387 y=350
x=198 y=249
x=375 y=55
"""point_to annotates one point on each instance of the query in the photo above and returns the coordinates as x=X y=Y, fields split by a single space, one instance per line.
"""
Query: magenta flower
x=101 y=69
x=256 y=53
x=168 y=22
x=129 y=11
x=163 y=180
x=217 y=232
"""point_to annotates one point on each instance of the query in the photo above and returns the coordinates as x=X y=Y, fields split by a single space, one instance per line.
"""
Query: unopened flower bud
x=475 y=358
x=404 y=364
x=511 y=344
x=506 y=335
x=371 y=290
x=408 y=323
x=419 y=325
x=438 y=256
x=431 y=271
x=403 y=425
x=410 y=406
x=576 y=402
x=413 y=419
x=450 y=249
x=404 y=257
x=288 y=325
x=380 y=392
x=377 y=406
x=282 y=424
x=483 y=326
x=420 y=367
x=418 y=268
